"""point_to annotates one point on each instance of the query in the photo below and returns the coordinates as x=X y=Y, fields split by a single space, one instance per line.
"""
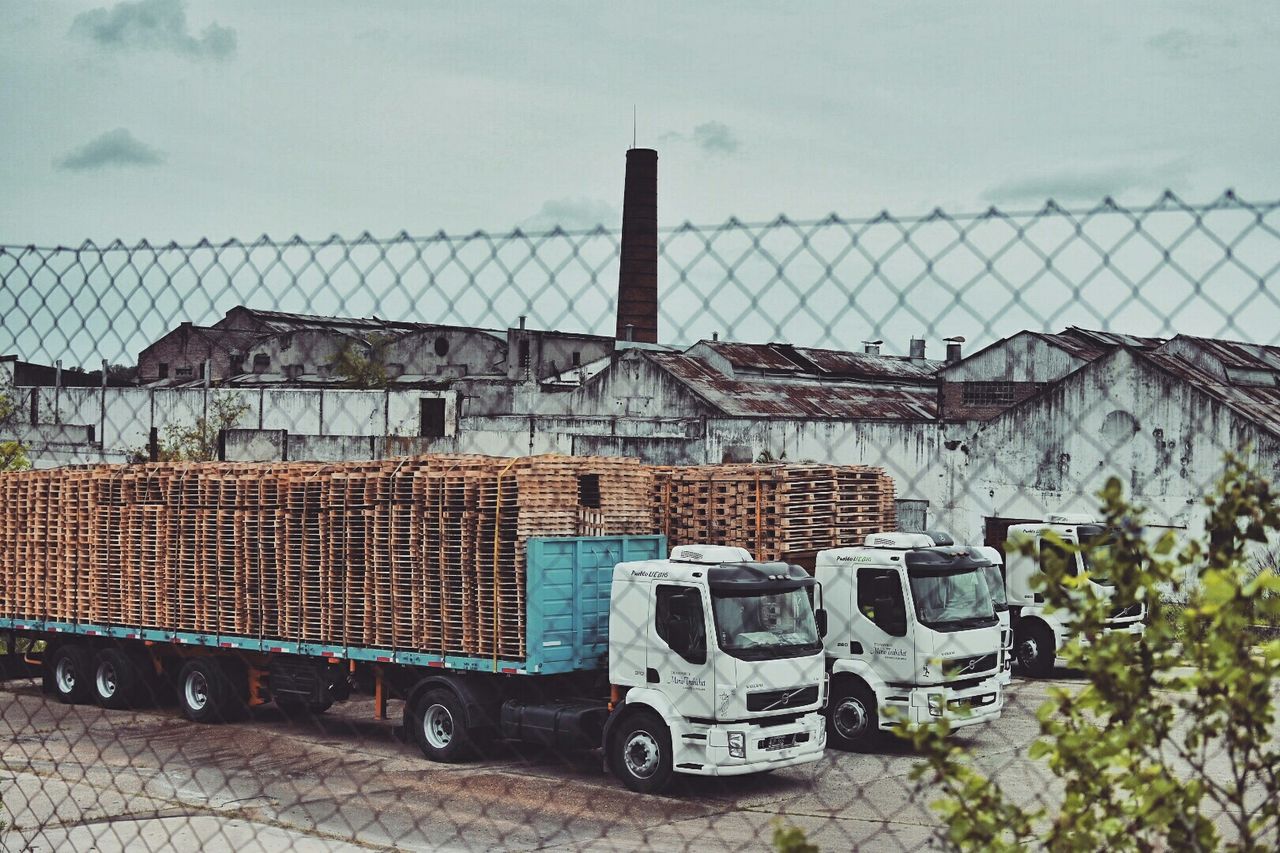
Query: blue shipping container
x=568 y=582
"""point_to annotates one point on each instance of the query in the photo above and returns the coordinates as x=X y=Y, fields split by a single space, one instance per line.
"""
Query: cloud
x=1176 y=43
x=153 y=25
x=1088 y=184
x=573 y=214
x=114 y=148
x=713 y=137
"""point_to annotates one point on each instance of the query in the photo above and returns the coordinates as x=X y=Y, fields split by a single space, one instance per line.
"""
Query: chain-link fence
x=814 y=382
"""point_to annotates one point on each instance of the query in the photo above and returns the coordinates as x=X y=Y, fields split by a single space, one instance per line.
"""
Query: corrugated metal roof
x=789 y=359
x=1237 y=354
x=1258 y=403
x=798 y=398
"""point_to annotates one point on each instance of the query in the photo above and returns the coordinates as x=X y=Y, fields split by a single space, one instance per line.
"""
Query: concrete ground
x=82 y=778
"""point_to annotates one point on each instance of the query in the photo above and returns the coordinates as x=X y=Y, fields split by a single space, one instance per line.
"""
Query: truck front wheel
x=853 y=721
x=1035 y=649
x=641 y=753
x=438 y=723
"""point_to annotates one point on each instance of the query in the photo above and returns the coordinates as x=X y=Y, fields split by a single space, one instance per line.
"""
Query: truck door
x=881 y=624
x=678 y=649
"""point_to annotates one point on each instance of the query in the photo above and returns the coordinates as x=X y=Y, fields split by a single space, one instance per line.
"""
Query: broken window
x=431 y=417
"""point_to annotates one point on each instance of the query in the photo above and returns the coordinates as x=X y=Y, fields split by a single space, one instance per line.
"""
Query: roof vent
x=709 y=554
x=899 y=541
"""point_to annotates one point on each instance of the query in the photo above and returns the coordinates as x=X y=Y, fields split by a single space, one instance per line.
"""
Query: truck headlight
x=937 y=704
x=737 y=745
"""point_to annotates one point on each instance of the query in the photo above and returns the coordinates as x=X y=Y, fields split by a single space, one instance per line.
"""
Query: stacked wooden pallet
x=775 y=510
x=422 y=554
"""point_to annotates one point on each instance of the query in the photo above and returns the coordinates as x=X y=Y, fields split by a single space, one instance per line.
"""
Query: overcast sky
x=180 y=119
x=177 y=120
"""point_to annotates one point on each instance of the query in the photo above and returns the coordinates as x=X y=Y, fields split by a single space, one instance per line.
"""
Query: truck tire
x=117 y=679
x=640 y=753
x=438 y=723
x=1034 y=648
x=853 y=718
x=207 y=692
x=71 y=674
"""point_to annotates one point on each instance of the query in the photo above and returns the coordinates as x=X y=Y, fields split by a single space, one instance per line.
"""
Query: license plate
x=777 y=742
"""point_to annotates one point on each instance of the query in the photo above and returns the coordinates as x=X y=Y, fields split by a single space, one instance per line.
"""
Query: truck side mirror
x=820 y=617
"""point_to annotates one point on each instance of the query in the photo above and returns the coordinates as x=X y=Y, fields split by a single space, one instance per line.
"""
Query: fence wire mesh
x=1129 y=342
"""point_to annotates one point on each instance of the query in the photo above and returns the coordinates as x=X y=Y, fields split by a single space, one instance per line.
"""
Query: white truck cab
x=716 y=664
x=1039 y=635
x=911 y=627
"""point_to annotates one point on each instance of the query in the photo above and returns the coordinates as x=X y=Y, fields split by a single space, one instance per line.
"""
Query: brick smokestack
x=638 y=271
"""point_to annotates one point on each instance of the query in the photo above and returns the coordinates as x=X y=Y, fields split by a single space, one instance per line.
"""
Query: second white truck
x=911 y=633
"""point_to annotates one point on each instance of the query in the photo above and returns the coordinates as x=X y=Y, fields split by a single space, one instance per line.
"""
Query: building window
x=442 y=346
x=431 y=417
x=524 y=355
x=913 y=515
x=999 y=393
x=237 y=365
x=261 y=363
x=163 y=370
x=577 y=359
x=183 y=372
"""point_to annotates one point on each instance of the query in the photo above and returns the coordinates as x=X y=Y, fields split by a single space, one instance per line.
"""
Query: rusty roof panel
x=789 y=359
x=799 y=398
x=1236 y=354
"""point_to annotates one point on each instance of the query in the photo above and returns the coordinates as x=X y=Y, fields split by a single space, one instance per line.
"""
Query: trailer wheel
x=116 y=679
x=640 y=753
x=1034 y=648
x=439 y=726
x=207 y=693
x=71 y=674
x=853 y=719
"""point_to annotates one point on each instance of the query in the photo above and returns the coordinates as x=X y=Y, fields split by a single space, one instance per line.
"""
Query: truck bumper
x=972 y=706
x=766 y=747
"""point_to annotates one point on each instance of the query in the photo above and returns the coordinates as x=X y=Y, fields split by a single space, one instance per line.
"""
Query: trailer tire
x=853 y=718
x=640 y=753
x=117 y=679
x=71 y=674
x=1034 y=648
x=206 y=693
x=438 y=722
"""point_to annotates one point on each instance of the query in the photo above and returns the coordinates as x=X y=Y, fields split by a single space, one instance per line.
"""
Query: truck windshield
x=759 y=625
x=995 y=585
x=1097 y=552
x=952 y=601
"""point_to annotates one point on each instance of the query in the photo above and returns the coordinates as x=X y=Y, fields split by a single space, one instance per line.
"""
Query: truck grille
x=1127 y=612
x=777 y=700
x=956 y=667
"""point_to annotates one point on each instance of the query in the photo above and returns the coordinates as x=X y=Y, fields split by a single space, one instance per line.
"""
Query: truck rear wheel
x=640 y=753
x=438 y=723
x=71 y=674
x=1034 y=648
x=853 y=719
x=207 y=693
x=116 y=679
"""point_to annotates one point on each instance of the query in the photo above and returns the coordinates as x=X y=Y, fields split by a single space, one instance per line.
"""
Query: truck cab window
x=680 y=622
x=880 y=600
x=1054 y=559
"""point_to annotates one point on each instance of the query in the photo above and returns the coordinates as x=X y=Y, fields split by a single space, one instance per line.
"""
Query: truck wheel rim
x=106 y=680
x=1028 y=651
x=437 y=726
x=850 y=718
x=641 y=754
x=197 y=691
x=65 y=675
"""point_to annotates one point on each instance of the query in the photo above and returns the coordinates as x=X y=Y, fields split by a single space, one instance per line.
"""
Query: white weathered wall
x=1021 y=358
